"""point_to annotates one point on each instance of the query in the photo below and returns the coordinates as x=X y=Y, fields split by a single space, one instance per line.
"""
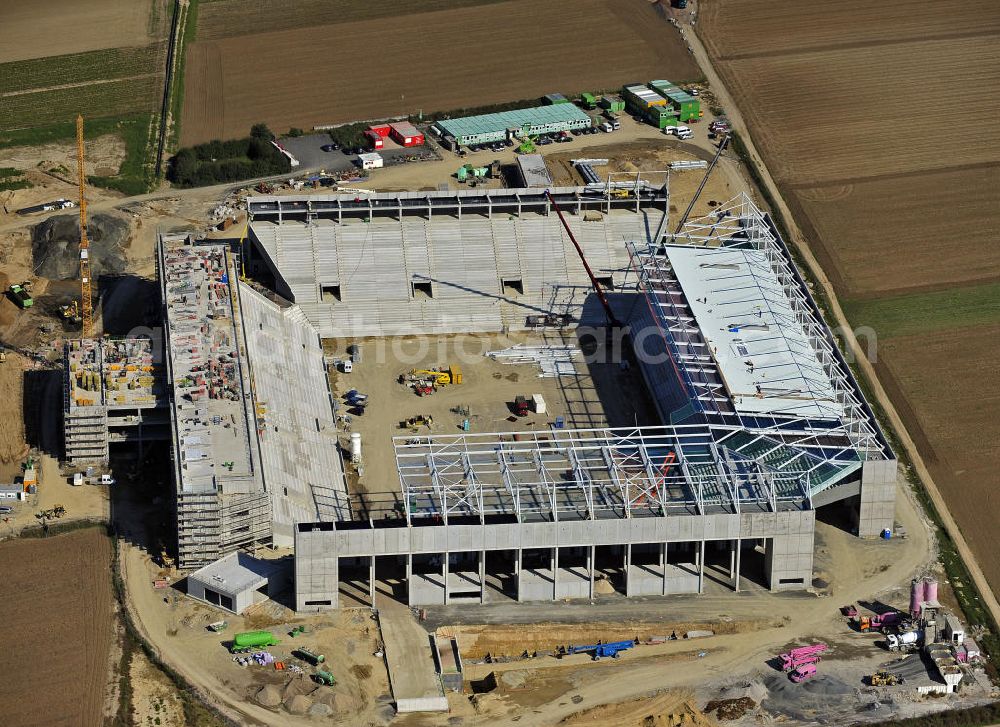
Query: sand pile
x=268 y=696
x=299 y=704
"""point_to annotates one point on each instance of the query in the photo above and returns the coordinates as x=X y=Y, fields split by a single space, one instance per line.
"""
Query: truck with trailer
x=600 y=649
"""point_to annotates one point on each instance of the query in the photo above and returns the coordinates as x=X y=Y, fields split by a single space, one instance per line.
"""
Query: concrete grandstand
x=761 y=421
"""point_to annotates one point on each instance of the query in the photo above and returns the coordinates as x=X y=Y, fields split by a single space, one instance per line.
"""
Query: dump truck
x=311 y=657
x=249 y=640
x=806 y=671
x=21 y=295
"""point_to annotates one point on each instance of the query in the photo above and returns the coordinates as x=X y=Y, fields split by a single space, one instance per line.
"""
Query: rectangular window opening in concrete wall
x=226 y=602
x=422 y=290
x=322 y=602
x=791 y=581
x=513 y=287
x=212 y=596
x=606 y=281
x=330 y=293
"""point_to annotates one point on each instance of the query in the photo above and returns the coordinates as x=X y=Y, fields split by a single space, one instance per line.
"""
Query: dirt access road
x=840 y=320
x=855 y=569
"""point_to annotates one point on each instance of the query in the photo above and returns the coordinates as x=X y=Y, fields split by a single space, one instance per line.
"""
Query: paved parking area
x=308 y=150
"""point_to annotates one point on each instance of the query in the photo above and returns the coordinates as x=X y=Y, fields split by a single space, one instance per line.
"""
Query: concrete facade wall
x=878 y=497
x=318 y=550
x=241 y=599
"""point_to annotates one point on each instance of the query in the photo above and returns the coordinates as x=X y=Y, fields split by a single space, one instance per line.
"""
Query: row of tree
x=218 y=162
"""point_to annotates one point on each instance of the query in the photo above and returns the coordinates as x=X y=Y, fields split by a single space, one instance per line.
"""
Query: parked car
x=544 y=141
x=330 y=147
x=693 y=91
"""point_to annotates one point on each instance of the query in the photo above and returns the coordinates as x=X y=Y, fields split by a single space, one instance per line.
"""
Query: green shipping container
x=588 y=100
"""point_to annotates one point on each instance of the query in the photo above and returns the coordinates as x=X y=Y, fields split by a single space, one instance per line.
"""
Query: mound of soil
x=729 y=709
x=299 y=704
x=268 y=696
x=55 y=252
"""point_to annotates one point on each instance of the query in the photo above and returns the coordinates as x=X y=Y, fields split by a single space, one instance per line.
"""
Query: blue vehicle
x=612 y=649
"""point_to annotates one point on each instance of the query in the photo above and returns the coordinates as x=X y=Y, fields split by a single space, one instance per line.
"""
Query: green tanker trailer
x=249 y=640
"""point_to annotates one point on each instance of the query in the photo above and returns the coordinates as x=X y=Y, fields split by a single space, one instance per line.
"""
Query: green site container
x=252 y=640
x=690 y=110
x=613 y=103
x=462 y=174
x=324 y=677
x=306 y=655
x=661 y=118
x=589 y=100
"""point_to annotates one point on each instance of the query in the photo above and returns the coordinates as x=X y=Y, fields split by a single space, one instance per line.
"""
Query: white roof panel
x=763 y=354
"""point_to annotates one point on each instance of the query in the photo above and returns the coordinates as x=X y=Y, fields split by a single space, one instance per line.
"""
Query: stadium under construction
x=760 y=419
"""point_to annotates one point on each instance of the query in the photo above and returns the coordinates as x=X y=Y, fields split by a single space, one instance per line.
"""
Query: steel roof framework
x=589 y=474
x=740 y=224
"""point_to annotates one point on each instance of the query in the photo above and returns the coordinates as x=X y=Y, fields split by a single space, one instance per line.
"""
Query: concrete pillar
x=482 y=576
x=554 y=559
x=736 y=579
x=628 y=568
x=664 y=548
x=590 y=569
x=409 y=578
x=732 y=560
x=444 y=572
x=701 y=568
x=371 y=578
x=517 y=574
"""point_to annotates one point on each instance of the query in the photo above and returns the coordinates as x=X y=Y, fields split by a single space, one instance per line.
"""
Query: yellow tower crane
x=86 y=305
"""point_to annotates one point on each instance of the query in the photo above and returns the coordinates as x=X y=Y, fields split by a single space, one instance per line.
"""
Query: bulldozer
x=417 y=421
x=884 y=679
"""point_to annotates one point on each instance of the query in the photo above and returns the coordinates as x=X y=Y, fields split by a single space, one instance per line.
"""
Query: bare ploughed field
x=325 y=71
x=881 y=123
x=58 y=629
x=40 y=28
x=955 y=422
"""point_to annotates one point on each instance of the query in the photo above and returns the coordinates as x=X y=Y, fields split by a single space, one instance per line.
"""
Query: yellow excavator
x=439 y=377
x=70 y=312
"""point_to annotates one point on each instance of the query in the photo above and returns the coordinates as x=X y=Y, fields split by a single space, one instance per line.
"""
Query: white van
x=616 y=124
x=607 y=128
x=683 y=132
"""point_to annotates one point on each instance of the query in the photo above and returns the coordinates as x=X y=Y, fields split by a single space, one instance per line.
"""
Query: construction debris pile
x=199 y=294
x=553 y=360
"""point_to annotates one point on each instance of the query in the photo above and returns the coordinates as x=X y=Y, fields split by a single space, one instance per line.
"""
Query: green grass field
x=908 y=314
x=113 y=98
